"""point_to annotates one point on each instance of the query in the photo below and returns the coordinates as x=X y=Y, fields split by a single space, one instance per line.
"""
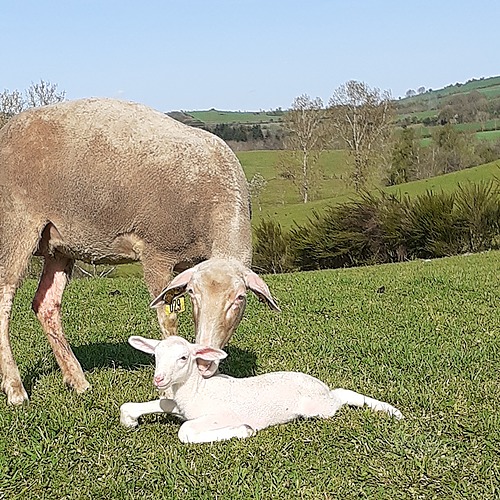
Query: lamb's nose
x=158 y=379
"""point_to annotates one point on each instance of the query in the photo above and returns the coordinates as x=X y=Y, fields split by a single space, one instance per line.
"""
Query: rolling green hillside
x=281 y=201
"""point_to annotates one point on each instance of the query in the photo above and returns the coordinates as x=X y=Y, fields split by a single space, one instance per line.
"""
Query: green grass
x=489 y=135
x=279 y=191
x=280 y=199
x=213 y=116
x=449 y=182
x=429 y=345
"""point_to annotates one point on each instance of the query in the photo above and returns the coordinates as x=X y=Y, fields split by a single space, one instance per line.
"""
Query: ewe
x=110 y=182
x=223 y=407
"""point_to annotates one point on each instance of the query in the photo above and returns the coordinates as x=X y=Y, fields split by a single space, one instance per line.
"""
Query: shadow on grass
x=239 y=363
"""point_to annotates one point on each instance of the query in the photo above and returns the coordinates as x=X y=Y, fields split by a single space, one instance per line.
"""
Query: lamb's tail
x=351 y=398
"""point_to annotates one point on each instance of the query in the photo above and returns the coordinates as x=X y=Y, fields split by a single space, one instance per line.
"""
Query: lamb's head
x=176 y=359
x=217 y=288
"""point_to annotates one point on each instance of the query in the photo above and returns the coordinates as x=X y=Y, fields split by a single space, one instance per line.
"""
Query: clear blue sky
x=243 y=54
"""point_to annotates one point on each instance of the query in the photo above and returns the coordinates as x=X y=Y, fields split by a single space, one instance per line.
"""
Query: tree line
x=362 y=121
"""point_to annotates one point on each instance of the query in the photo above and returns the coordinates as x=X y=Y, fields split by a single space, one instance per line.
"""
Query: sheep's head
x=217 y=289
x=176 y=358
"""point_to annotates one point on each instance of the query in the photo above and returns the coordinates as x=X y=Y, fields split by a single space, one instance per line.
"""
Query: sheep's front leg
x=208 y=429
x=130 y=412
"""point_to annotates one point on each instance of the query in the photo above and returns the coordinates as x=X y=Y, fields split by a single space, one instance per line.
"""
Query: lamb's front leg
x=130 y=412
x=208 y=429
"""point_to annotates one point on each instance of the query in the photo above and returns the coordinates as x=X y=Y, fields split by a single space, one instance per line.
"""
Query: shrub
x=350 y=234
x=429 y=226
x=272 y=252
x=380 y=228
x=478 y=214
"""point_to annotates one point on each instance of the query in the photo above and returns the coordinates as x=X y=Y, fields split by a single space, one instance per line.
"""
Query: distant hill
x=428 y=105
x=424 y=104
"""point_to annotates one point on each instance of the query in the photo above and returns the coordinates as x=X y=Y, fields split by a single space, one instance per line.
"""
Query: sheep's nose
x=158 y=379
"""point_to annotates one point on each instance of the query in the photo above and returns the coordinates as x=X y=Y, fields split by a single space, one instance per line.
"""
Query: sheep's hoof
x=16 y=395
x=80 y=386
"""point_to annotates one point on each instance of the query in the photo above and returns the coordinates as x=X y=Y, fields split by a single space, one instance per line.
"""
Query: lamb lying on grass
x=223 y=407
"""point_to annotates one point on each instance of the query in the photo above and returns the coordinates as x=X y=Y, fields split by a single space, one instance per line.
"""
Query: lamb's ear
x=143 y=344
x=255 y=283
x=208 y=353
x=176 y=287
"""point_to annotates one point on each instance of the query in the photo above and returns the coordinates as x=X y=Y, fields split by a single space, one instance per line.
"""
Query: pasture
x=213 y=116
x=281 y=201
x=424 y=336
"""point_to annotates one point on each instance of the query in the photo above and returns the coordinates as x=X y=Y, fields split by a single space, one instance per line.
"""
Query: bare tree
x=37 y=94
x=305 y=140
x=361 y=118
x=256 y=186
x=11 y=103
x=43 y=93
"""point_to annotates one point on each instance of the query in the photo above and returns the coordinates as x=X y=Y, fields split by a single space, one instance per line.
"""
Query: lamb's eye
x=184 y=358
x=190 y=291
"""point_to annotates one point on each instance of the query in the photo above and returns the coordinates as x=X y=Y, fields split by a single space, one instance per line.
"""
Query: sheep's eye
x=240 y=298
x=190 y=291
x=184 y=358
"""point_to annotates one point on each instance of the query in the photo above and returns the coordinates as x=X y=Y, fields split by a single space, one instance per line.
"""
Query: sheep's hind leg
x=351 y=398
x=208 y=429
x=47 y=307
x=130 y=412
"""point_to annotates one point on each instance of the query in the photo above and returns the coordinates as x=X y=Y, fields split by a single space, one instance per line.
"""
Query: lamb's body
x=107 y=181
x=258 y=401
x=223 y=407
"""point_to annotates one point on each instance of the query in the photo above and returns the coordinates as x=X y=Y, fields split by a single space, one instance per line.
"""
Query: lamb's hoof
x=125 y=418
x=394 y=412
x=245 y=431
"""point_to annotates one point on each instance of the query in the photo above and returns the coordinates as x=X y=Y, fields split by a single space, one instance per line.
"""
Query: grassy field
x=281 y=201
x=213 y=116
x=430 y=345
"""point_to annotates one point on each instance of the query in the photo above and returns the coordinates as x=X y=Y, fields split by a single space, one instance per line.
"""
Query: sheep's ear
x=176 y=287
x=142 y=344
x=208 y=353
x=255 y=283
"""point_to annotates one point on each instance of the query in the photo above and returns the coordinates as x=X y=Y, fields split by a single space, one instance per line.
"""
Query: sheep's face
x=217 y=289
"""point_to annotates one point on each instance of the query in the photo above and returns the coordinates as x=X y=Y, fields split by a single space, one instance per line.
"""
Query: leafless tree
x=361 y=118
x=305 y=140
x=256 y=186
x=37 y=94
x=11 y=103
x=43 y=93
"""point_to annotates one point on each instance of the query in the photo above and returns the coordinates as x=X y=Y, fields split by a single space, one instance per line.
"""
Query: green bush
x=272 y=253
x=364 y=231
x=429 y=226
x=478 y=211
x=380 y=228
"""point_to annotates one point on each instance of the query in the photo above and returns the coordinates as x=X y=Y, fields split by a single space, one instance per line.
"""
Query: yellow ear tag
x=177 y=305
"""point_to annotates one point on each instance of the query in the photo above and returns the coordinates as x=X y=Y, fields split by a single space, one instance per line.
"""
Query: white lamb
x=223 y=407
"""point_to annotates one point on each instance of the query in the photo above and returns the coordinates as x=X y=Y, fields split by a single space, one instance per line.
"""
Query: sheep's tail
x=351 y=398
